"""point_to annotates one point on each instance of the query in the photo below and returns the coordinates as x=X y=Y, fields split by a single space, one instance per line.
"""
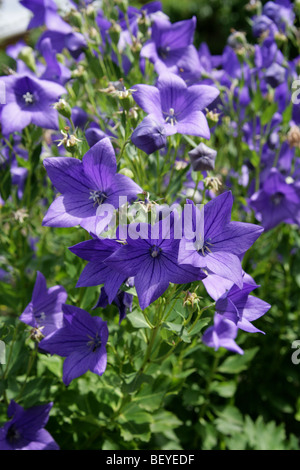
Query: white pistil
x=28 y=98
x=171 y=117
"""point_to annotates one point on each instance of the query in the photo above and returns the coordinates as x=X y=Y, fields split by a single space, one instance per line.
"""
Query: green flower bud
x=63 y=108
x=27 y=55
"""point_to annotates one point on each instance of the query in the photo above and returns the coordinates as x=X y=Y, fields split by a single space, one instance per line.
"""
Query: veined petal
x=150 y=283
x=237 y=237
x=194 y=123
x=66 y=174
x=217 y=214
x=226 y=265
x=148 y=98
x=100 y=164
x=13 y=119
x=56 y=216
x=76 y=364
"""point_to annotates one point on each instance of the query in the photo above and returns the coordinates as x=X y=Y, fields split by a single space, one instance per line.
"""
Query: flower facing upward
x=152 y=260
x=29 y=101
x=82 y=341
x=175 y=105
x=219 y=247
x=25 y=431
x=85 y=186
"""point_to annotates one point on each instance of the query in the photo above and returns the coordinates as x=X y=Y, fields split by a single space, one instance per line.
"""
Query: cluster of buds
x=191 y=299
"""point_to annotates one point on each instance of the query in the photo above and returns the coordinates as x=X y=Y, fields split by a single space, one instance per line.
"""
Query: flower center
x=171 y=117
x=94 y=343
x=163 y=52
x=204 y=249
x=98 y=197
x=28 y=98
x=277 y=198
x=13 y=435
x=155 y=251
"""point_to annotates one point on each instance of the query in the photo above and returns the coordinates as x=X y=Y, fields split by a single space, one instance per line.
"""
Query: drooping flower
x=218 y=248
x=149 y=136
x=85 y=186
x=277 y=201
x=29 y=101
x=123 y=301
x=236 y=304
x=25 y=431
x=222 y=334
x=45 y=308
x=174 y=105
x=82 y=341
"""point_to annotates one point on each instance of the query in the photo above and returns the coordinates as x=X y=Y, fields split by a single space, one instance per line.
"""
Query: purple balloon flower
x=123 y=301
x=174 y=105
x=45 y=308
x=276 y=202
x=241 y=308
x=96 y=272
x=218 y=248
x=85 y=186
x=149 y=136
x=171 y=47
x=151 y=258
x=222 y=334
x=25 y=431
x=29 y=101
x=82 y=341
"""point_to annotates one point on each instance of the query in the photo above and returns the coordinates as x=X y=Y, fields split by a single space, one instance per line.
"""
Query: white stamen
x=28 y=98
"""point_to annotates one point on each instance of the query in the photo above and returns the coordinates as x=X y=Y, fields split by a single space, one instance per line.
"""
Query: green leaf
x=224 y=389
x=137 y=319
x=237 y=363
x=164 y=421
x=229 y=421
x=269 y=113
x=179 y=330
x=148 y=399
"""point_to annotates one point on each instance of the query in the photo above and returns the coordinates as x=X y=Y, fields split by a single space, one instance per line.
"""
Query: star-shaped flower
x=85 y=186
x=82 y=341
x=176 y=106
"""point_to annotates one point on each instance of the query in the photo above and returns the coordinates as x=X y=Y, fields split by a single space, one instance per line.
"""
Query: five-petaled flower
x=176 y=106
x=25 y=431
x=85 y=185
x=81 y=340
